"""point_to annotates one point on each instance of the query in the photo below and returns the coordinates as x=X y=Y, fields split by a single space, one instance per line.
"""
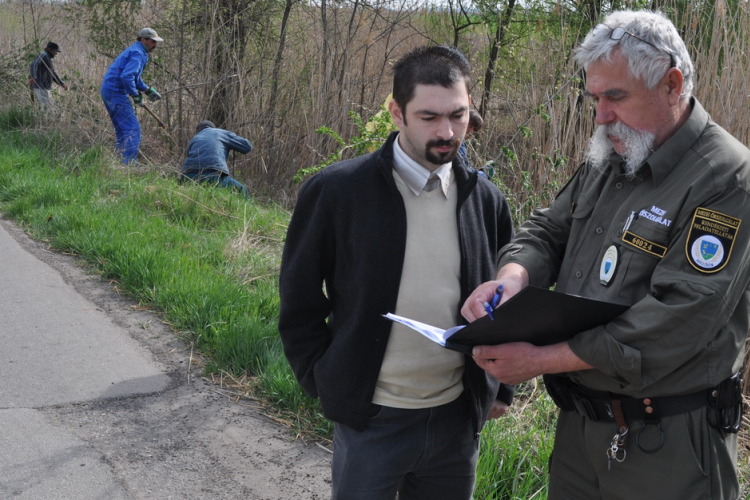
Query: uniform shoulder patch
x=710 y=240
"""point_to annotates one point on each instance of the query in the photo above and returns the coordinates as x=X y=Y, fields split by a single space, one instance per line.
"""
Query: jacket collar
x=669 y=154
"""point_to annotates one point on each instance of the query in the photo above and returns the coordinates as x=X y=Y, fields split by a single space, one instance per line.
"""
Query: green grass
x=515 y=449
x=207 y=260
x=15 y=118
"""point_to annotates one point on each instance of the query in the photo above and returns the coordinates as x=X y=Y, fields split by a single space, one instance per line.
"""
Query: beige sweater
x=416 y=372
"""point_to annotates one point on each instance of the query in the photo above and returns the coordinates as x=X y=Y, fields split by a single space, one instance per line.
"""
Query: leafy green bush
x=371 y=136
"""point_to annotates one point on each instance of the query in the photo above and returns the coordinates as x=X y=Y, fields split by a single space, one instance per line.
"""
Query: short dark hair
x=52 y=46
x=429 y=65
x=204 y=124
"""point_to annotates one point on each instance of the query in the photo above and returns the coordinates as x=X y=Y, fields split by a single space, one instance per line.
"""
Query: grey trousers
x=43 y=97
x=695 y=462
x=425 y=454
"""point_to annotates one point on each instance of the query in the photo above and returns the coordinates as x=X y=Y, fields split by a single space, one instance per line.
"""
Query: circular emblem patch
x=707 y=252
x=710 y=239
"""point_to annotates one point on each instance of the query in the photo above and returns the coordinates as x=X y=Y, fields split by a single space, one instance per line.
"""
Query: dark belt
x=597 y=405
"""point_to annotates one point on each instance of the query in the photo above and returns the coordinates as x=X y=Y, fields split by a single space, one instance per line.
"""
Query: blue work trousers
x=127 y=128
x=218 y=178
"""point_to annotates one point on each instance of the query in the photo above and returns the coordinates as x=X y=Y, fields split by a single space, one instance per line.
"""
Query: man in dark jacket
x=42 y=73
x=207 y=154
x=406 y=229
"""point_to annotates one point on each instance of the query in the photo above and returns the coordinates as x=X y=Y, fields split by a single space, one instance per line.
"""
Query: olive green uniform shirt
x=682 y=262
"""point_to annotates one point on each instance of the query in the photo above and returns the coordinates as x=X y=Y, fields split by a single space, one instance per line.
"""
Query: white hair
x=638 y=144
x=646 y=62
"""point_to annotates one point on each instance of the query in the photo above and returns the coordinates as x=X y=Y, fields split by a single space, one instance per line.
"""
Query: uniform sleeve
x=304 y=307
x=690 y=308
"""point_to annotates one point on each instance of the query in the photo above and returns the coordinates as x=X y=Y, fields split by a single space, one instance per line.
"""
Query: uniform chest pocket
x=641 y=248
x=649 y=238
x=580 y=220
x=581 y=211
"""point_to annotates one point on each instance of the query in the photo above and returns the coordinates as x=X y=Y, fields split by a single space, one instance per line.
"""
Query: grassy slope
x=203 y=256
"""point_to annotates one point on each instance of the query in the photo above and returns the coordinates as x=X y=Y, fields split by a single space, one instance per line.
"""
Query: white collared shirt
x=416 y=176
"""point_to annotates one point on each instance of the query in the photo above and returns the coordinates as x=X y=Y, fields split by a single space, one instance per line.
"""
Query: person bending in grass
x=406 y=229
x=207 y=154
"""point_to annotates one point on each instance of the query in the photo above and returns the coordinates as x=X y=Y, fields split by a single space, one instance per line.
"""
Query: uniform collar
x=668 y=155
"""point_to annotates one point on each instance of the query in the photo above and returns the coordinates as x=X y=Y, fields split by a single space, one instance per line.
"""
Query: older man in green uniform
x=653 y=220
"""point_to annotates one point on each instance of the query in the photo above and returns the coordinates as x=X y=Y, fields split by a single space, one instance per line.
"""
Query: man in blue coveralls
x=123 y=79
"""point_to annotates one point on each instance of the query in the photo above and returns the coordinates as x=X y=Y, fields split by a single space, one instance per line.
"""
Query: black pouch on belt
x=725 y=405
x=559 y=390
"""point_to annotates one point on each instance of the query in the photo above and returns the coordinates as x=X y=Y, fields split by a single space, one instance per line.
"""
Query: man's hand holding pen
x=511 y=277
x=490 y=306
x=515 y=362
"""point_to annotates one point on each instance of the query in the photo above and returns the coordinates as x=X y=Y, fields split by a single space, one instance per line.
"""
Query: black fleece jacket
x=341 y=270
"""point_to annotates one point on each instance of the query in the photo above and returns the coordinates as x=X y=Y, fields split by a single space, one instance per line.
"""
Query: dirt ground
x=193 y=440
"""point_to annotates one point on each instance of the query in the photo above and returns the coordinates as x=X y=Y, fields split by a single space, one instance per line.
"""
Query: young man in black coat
x=406 y=229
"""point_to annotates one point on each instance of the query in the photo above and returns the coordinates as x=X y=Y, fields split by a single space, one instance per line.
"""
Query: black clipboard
x=536 y=315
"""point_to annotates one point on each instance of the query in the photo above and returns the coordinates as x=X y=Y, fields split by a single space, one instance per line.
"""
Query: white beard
x=639 y=145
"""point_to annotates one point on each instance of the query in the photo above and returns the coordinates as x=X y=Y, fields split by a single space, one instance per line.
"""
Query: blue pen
x=489 y=310
x=496 y=298
x=490 y=306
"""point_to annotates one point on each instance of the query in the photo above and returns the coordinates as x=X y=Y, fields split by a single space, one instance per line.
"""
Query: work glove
x=138 y=99
x=152 y=94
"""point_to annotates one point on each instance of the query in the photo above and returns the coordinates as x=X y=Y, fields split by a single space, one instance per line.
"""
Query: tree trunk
x=271 y=130
x=228 y=59
x=489 y=74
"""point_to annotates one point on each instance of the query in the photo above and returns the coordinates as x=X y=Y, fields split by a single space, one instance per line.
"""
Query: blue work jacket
x=124 y=74
x=209 y=150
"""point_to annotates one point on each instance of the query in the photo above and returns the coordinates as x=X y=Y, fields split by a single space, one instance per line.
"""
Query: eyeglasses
x=619 y=32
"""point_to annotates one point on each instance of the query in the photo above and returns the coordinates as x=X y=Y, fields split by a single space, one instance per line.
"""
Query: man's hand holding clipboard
x=533 y=351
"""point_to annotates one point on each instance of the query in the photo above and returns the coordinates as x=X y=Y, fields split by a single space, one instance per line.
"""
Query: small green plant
x=371 y=136
x=17 y=118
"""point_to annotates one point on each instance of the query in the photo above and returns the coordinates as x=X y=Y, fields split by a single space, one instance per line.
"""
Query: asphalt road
x=100 y=400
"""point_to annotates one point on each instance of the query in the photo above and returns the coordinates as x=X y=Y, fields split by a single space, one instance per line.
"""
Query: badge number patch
x=711 y=239
x=643 y=244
